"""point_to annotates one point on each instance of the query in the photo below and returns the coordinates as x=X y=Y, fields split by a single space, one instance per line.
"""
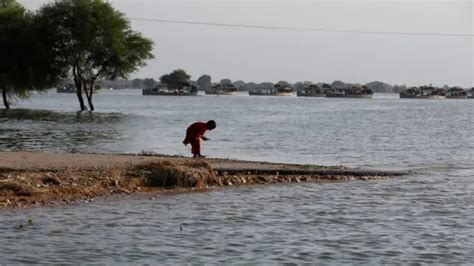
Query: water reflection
x=26 y=115
x=41 y=129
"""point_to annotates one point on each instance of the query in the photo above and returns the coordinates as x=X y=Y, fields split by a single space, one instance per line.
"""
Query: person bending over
x=195 y=133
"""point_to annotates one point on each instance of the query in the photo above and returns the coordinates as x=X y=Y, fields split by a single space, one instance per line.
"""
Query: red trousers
x=196 y=146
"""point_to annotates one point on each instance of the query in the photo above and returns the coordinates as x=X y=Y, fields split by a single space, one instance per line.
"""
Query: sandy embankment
x=34 y=178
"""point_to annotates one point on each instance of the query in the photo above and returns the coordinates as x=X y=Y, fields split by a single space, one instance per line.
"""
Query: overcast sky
x=273 y=55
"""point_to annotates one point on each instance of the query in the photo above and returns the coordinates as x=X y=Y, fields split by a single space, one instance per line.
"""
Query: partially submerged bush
x=168 y=174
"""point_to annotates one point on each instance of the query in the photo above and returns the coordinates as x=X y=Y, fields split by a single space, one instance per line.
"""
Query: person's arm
x=202 y=131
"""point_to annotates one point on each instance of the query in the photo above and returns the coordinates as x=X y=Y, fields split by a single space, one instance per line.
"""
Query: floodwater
x=422 y=218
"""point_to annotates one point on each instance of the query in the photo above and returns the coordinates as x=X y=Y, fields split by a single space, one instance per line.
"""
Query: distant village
x=337 y=88
x=149 y=83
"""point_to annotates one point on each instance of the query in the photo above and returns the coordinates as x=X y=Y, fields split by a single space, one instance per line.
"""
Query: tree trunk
x=5 y=100
x=77 y=82
x=89 y=91
x=79 y=96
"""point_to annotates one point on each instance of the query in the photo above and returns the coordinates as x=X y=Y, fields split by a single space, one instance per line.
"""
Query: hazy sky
x=273 y=55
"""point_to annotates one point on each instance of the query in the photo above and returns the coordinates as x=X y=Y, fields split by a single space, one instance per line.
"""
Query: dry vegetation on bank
x=23 y=187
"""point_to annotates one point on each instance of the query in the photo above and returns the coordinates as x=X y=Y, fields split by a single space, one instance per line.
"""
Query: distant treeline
x=205 y=82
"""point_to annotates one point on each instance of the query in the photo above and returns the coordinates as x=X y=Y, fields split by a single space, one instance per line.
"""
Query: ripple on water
x=423 y=218
x=333 y=223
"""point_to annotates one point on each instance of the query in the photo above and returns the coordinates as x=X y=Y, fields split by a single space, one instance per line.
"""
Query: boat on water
x=471 y=94
x=278 y=90
x=312 y=90
x=283 y=90
x=68 y=88
x=164 y=90
x=423 y=92
x=353 y=92
x=220 y=89
x=71 y=88
x=260 y=92
x=456 y=93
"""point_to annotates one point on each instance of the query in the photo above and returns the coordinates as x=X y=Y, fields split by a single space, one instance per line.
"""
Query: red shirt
x=195 y=131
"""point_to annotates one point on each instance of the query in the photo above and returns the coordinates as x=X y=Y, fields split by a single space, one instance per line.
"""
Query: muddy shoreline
x=38 y=179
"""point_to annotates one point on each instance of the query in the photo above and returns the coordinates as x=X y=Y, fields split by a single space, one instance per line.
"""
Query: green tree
x=399 y=88
x=149 y=83
x=204 y=82
x=137 y=83
x=11 y=6
x=379 y=86
x=91 y=40
x=23 y=66
x=248 y=86
x=283 y=83
x=13 y=20
x=266 y=85
x=177 y=78
x=239 y=83
x=225 y=82
x=338 y=84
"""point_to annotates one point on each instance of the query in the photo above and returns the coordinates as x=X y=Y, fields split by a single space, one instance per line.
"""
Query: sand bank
x=35 y=178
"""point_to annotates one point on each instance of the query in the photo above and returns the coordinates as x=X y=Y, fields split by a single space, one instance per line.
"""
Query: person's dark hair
x=211 y=124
